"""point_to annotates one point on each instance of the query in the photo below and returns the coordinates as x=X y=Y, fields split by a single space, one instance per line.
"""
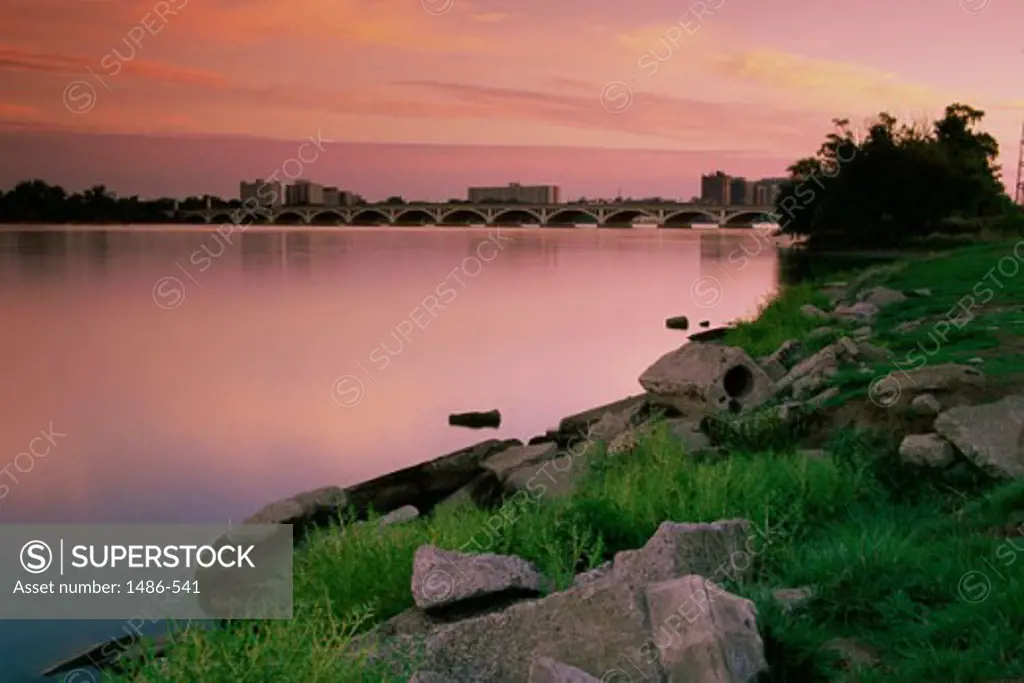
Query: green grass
x=898 y=558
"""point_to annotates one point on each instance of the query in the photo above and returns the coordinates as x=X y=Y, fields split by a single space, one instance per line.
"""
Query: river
x=177 y=375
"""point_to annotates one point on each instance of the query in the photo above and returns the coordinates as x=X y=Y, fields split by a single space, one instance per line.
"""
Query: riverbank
x=902 y=552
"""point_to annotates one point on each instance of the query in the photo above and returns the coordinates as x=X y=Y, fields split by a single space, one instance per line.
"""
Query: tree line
x=897 y=183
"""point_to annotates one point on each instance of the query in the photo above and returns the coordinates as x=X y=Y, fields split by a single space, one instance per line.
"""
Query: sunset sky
x=597 y=95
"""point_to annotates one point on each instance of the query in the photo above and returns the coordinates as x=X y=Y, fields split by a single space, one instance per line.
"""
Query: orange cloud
x=12 y=59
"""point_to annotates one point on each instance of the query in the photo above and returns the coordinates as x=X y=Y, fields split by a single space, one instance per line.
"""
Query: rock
x=710 y=336
x=821 y=332
x=926 y=404
x=812 y=311
x=862 y=311
x=908 y=326
x=113 y=654
x=990 y=435
x=428 y=677
x=923 y=291
x=875 y=354
x=792 y=599
x=787 y=354
x=597 y=628
x=503 y=463
x=881 y=296
x=943 y=378
x=976 y=361
x=590 y=576
x=835 y=291
x=819 y=400
x=680 y=322
x=445 y=577
x=862 y=333
x=704 y=323
x=552 y=480
x=426 y=484
x=320 y=507
x=476 y=420
x=688 y=434
x=550 y=436
x=484 y=491
x=926 y=450
x=547 y=670
x=578 y=425
x=720 y=642
x=810 y=375
x=709 y=377
x=716 y=551
x=406 y=513
x=773 y=368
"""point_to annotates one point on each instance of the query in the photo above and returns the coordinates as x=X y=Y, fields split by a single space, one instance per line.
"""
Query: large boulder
x=926 y=450
x=705 y=376
x=990 y=435
x=547 y=670
x=320 y=507
x=445 y=577
x=503 y=463
x=812 y=374
x=426 y=484
x=632 y=410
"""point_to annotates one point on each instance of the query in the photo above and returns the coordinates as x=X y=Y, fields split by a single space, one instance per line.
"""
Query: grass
x=901 y=561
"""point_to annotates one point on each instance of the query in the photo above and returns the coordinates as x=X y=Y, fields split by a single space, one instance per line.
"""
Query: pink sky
x=595 y=96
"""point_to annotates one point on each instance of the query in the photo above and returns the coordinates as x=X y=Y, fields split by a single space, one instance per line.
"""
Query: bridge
x=665 y=214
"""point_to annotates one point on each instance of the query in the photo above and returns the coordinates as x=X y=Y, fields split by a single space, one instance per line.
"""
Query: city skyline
x=425 y=98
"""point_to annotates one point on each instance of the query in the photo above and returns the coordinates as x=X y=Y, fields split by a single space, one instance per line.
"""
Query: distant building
x=766 y=190
x=335 y=197
x=716 y=189
x=266 y=194
x=741 y=192
x=514 y=192
x=305 y=193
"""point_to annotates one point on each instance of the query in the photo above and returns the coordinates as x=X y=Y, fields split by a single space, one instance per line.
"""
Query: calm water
x=187 y=379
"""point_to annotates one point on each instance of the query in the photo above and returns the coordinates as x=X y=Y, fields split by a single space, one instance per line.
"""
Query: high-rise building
x=716 y=189
x=741 y=192
x=305 y=193
x=766 y=190
x=335 y=197
x=514 y=192
x=265 y=194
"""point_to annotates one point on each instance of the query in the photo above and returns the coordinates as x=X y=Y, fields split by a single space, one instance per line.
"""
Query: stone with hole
x=709 y=377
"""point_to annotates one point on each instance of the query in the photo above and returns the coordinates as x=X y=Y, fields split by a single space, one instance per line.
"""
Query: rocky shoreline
x=492 y=617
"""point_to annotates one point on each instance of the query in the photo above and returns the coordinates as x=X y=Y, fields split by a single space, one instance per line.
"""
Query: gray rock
x=862 y=333
x=547 y=670
x=600 y=627
x=709 y=376
x=908 y=326
x=773 y=368
x=976 y=361
x=923 y=291
x=819 y=400
x=593 y=575
x=812 y=311
x=875 y=354
x=716 y=550
x=821 y=332
x=406 y=513
x=861 y=311
x=688 y=434
x=428 y=677
x=503 y=463
x=990 y=435
x=319 y=507
x=810 y=375
x=578 y=425
x=943 y=378
x=926 y=404
x=787 y=354
x=926 y=450
x=792 y=599
x=552 y=480
x=719 y=639
x=881 y=296
x=444 y=577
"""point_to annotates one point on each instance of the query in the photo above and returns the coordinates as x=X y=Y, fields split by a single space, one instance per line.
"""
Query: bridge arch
x=517 y=217
x=462 y=217
x=571 y=217
x=327 y=218
x=220 y=219
x=290 y=218
x=193 y=218
x=626 y=216
x=415 y=217
x=684 y=219
x=747 y=219
x=370 y=217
